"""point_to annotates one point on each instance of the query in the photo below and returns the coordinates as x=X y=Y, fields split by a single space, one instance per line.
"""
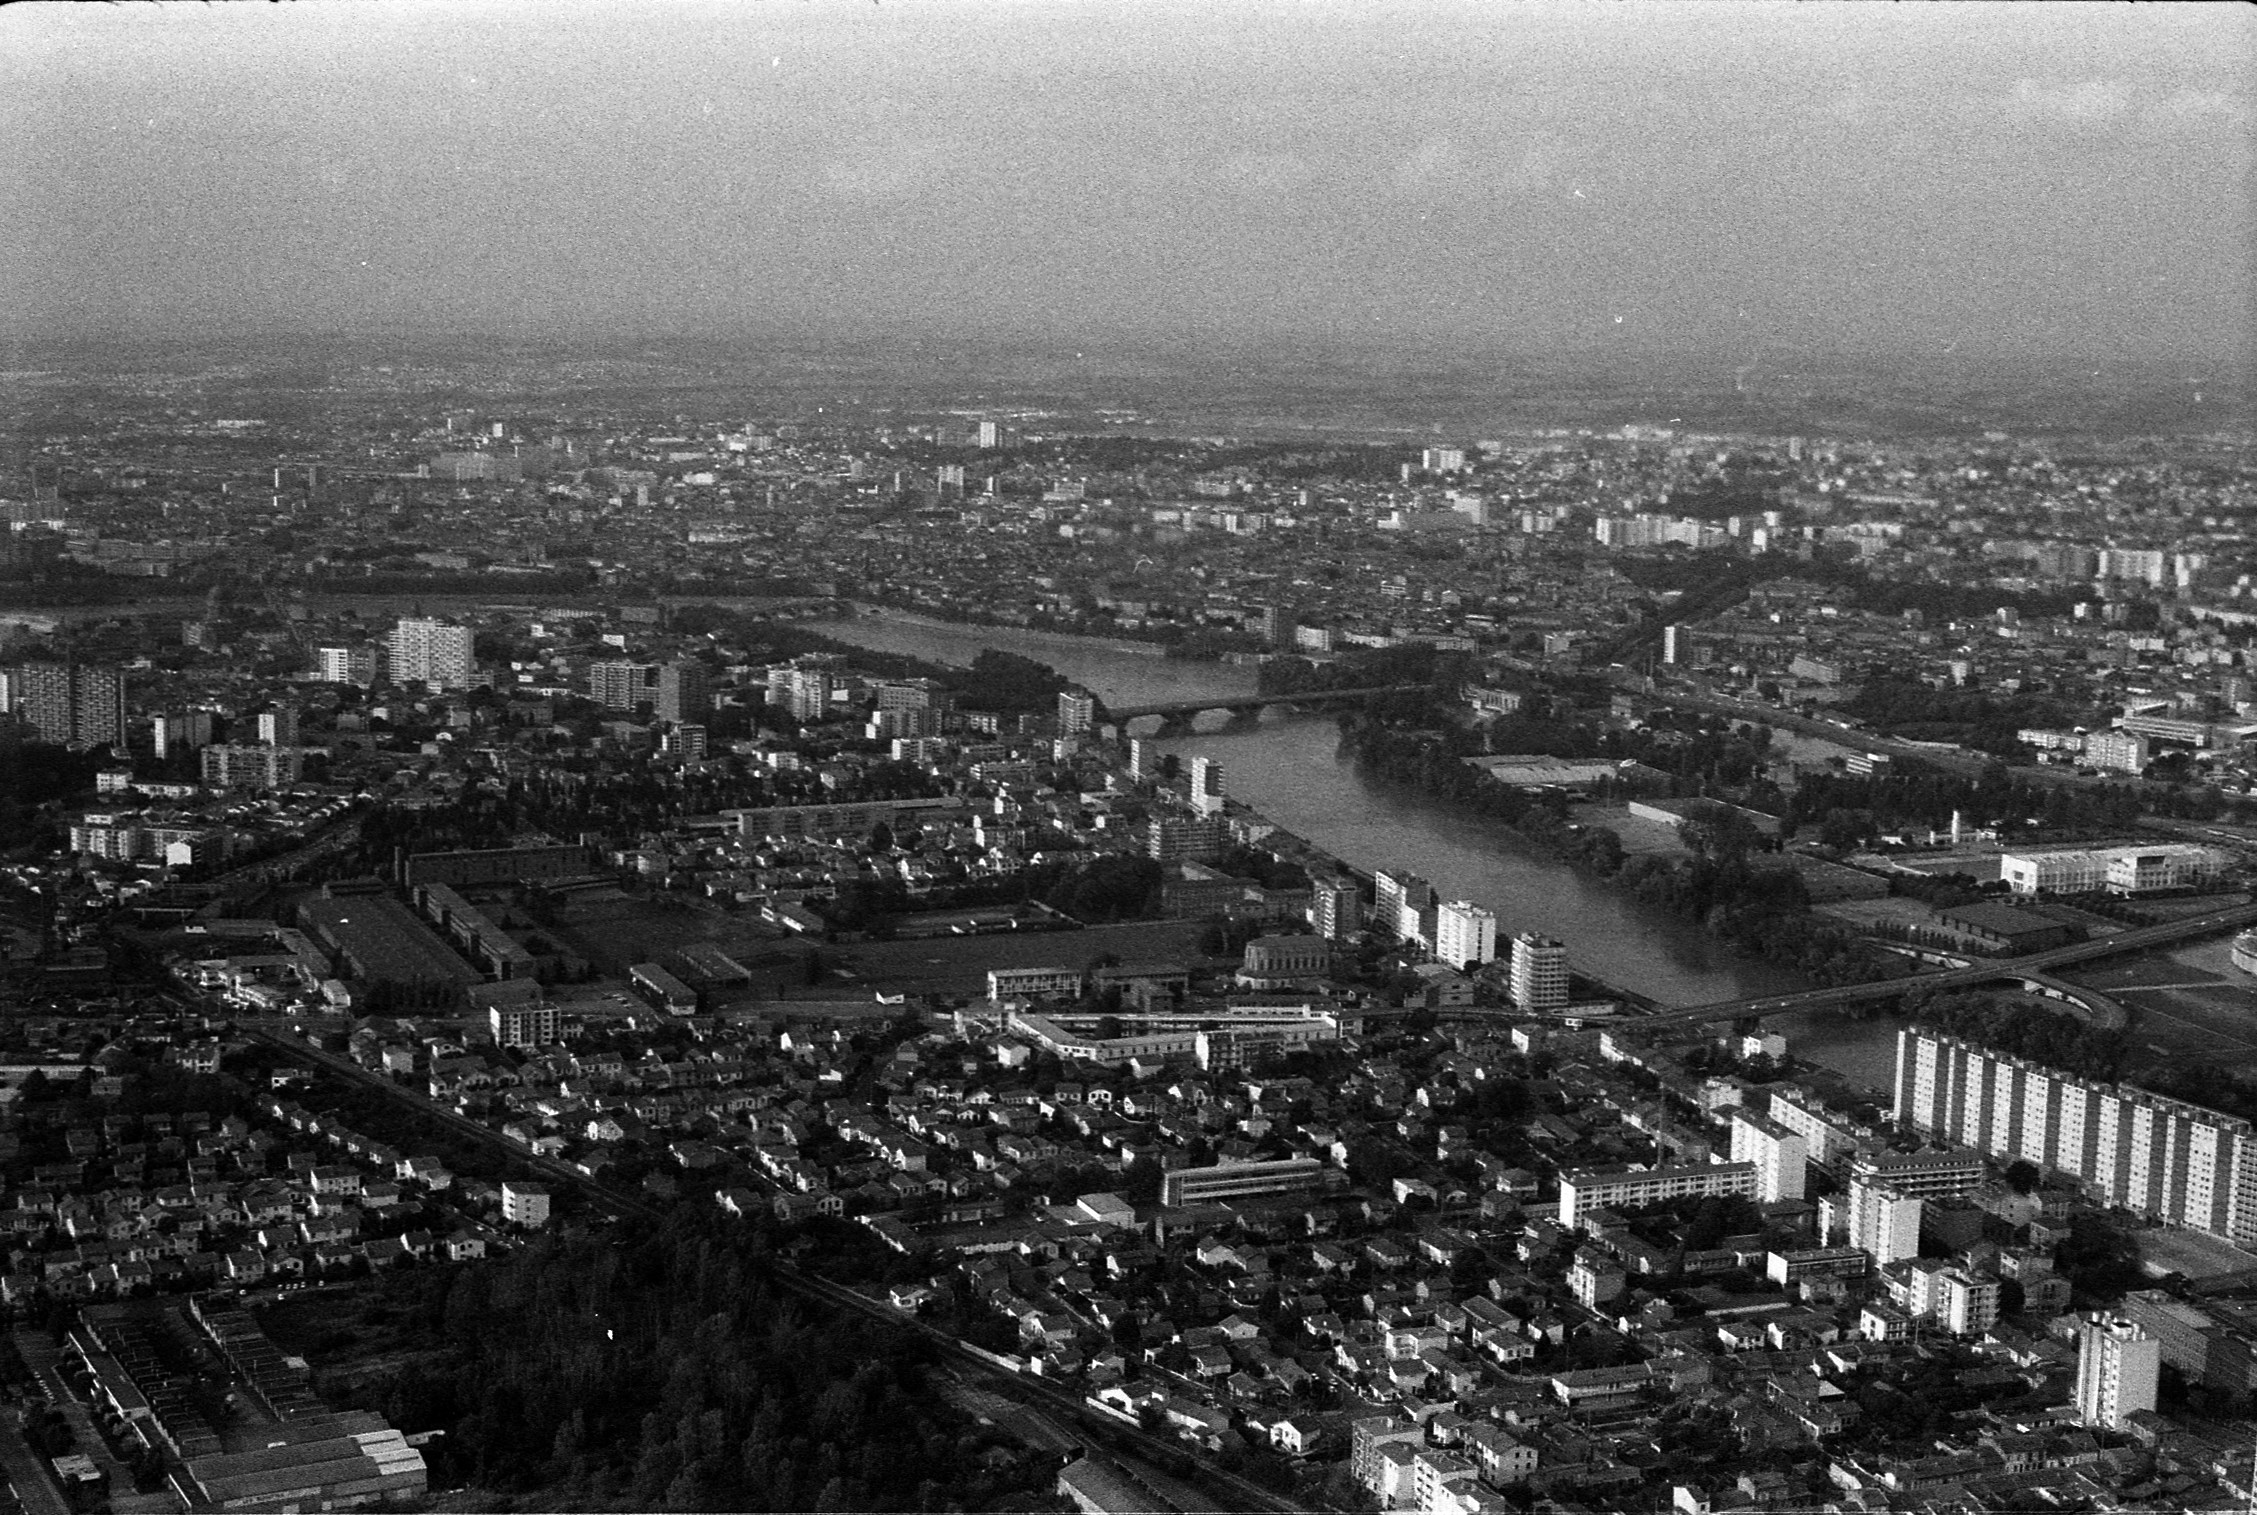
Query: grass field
x=2190 y=1002
x=1640 y=837
x=1905 y=912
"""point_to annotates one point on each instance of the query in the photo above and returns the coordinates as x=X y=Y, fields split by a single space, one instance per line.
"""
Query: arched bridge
x=2033 y=969
x=1177 y=714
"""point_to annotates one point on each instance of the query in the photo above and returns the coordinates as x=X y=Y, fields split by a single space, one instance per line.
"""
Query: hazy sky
x=1766 y=179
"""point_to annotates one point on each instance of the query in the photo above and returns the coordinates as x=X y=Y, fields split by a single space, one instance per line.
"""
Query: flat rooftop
x=385 y=940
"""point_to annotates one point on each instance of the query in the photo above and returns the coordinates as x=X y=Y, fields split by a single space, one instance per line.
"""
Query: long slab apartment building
x=2162 y=1158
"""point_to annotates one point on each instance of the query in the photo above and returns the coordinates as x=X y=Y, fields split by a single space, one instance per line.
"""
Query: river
x=1290 y=769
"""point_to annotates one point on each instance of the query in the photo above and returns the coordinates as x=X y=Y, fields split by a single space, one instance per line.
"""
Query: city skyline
x=1759 y=183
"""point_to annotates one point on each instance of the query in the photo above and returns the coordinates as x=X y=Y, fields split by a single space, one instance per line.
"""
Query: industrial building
x=2117 y=870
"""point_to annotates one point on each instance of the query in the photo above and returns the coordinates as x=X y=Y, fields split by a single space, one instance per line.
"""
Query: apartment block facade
x=2161 y=1158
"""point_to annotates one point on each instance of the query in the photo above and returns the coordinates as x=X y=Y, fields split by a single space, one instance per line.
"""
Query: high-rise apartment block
x=1399 y=901
x=529 y=1024
x=804 y=686
x=258 y=769
x=279 y=727
x=684 y=695
x=915 y=694
x=1464 y=933
x=1966 y=1303
x=1170 y=838
x=1826 y=1138
x=1077 y=712
x=2118 y=1366
x=621 y=685
x=71 y=704
x=1207 y=785
x=1883 y=1221
x=1336 y=907
x=433 y=652
x=187 y=731
x=1539 y=972
x=1780 y=1158
x=2162 y=1158
x=349 y=665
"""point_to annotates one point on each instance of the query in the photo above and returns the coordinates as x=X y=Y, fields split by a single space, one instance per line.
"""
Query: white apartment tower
x=430 y=652
x=2164 y=1158
x=1539 y=972
x=2118 y=1364
x=1781 y=1157
x=1883 y=1221
x=1464 y=933
x=1207 y=786
x=1966 y=1305
x=1398 y=900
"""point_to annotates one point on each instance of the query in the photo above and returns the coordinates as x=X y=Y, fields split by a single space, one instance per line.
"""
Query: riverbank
x=1315 y=860
x=1739 y=896
x=1063 y=639
x=1289 y=770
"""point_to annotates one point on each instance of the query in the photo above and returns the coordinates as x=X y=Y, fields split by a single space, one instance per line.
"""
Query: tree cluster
x=668 y=1373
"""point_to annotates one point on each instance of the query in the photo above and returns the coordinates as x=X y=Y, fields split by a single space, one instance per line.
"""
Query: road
x=2035 y=965
x=1033 y=1392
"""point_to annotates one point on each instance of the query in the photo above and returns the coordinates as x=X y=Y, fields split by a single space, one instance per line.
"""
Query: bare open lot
x=1640 y=837
x=2190 y=1002
x=959 y=964
x=1903 y=912
x=2171 y=1250
x=614 y=930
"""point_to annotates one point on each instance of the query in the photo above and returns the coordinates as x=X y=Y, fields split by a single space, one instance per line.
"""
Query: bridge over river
x=1178 y=715
x=2034 y=970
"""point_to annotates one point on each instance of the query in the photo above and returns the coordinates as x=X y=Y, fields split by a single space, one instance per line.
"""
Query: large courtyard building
x=2116 y=870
